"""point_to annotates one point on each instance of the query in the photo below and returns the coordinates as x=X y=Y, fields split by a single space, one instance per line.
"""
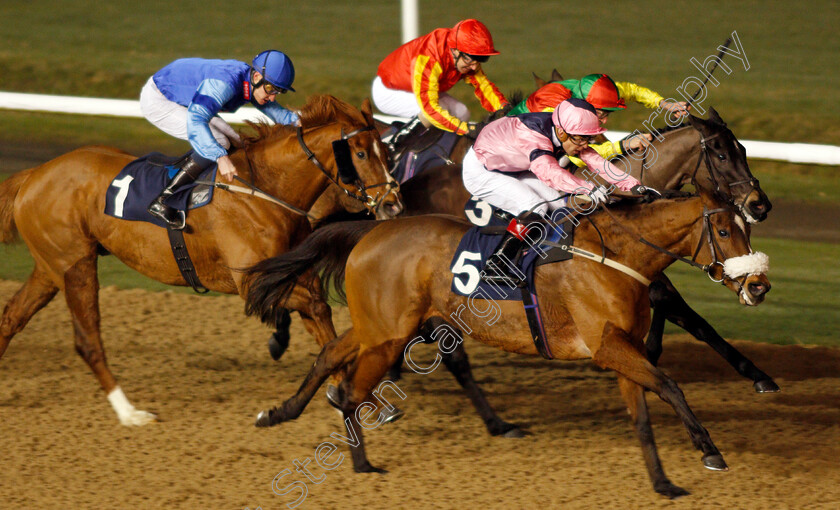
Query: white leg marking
x=126 y=412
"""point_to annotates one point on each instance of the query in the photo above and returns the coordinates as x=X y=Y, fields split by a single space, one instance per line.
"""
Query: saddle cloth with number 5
x=479 y=243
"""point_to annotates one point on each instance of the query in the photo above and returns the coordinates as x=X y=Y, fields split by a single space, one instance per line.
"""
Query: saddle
x=418 y=149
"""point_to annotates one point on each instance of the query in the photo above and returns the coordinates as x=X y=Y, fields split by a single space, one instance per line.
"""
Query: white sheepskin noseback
x=754 y=263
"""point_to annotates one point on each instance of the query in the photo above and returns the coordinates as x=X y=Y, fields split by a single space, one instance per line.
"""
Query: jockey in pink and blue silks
x=184 y=99
x=513 y=165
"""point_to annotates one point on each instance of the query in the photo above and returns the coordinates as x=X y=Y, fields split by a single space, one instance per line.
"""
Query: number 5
x=473 y=276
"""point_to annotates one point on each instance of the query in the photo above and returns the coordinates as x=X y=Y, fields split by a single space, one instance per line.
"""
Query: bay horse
x=294 y=165
x=705 y=154
x=398 y=283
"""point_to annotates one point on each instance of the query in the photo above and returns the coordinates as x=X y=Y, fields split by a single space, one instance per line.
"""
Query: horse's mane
x=319 y=110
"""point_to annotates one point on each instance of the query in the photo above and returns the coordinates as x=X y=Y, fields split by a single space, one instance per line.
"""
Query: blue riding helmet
x=276 y=68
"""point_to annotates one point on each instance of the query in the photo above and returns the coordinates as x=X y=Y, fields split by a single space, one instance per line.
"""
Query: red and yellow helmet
x=470 y=36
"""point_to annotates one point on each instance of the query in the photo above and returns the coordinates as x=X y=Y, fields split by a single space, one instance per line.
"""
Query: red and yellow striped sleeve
x=426 y=87
x=486 y=91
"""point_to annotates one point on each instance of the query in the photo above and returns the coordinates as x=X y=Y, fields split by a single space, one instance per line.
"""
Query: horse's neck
x=285 y=172
x=671 y=163
x=668 y=224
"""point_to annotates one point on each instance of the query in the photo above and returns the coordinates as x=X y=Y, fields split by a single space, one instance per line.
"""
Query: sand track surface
x=202 y=366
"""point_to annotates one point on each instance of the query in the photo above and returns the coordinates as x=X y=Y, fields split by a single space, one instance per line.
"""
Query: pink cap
x=577 y=117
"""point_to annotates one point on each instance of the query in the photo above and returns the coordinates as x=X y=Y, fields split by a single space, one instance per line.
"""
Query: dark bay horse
x=57 y=208
x=398 y=284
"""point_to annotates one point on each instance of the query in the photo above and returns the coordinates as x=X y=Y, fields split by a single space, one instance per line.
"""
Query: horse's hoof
x=137 y=418
x=504 y=429
x=277 y=345
x=515 y=433
x=715 y=462
x=766 y=386
x=391 y=414
x=367 y=468
x=264 y=419
x=670 y=490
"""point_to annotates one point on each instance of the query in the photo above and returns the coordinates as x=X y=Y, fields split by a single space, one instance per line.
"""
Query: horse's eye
x=361 y=155
x=722 y=157
x=724 y=234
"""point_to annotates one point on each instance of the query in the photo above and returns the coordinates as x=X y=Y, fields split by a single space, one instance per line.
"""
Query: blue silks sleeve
x=206 y=103
x=278 y=114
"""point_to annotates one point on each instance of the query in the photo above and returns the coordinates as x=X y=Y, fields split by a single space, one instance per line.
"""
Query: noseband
x=344 y=165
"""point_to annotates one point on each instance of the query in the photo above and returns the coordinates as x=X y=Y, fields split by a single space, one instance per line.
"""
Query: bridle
x=350 y=175
x=706 y=235
x=705 y=156
x=346 y=171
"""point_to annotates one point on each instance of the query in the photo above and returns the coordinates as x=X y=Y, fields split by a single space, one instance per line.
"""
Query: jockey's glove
x=599 y=195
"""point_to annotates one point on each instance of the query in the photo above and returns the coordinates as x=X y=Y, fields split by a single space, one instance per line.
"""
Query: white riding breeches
x=171 y=118
x=404 y=104
x=512 y=192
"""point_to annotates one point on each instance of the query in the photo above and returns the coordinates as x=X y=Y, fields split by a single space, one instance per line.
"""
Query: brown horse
x=705 y=153
x=397 y=284
x=235 y=230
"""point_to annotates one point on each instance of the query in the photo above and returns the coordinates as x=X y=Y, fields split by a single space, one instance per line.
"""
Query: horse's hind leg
x=634 y=396
x=34 y=295
x=316 y=314
x=359 y=401
x=668 y=303
x=617 y=353
x=81 y=290
x=335 y=355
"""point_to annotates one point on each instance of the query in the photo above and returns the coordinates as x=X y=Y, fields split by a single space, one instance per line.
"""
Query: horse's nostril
x=758 y=289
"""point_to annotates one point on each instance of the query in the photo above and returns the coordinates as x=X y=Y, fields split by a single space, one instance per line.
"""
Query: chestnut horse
x=235 y=230
x=398 y=283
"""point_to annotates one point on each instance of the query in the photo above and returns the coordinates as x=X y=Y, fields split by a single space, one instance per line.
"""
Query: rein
x=372 y=203
x=714 y=247
x=249 y=188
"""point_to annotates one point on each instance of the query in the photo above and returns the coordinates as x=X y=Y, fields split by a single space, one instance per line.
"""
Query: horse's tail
x=324 y=252
x=8 y=191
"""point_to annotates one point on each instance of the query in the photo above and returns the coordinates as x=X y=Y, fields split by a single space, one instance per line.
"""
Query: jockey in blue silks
x=184 y=98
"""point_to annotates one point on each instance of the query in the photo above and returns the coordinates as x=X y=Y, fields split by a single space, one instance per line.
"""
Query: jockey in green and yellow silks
x=606 y=96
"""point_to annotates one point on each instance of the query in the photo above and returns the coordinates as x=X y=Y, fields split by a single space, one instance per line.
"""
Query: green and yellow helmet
x=600 y=91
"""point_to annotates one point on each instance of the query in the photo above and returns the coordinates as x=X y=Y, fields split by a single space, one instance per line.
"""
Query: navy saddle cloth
x=140 y=182
x=478 y=244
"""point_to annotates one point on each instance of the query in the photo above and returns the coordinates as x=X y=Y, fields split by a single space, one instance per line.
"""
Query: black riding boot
x=403 y=132
x=190 y=170
x=497 y=269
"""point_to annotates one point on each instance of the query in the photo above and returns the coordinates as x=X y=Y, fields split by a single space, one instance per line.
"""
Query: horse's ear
x=714 y=117
x=695 y=122
x=366 y=109
x=555 y=76
x=539 y=81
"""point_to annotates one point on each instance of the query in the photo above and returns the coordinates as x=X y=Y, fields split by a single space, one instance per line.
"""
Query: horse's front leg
x=668 y=304
x=616 y=351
